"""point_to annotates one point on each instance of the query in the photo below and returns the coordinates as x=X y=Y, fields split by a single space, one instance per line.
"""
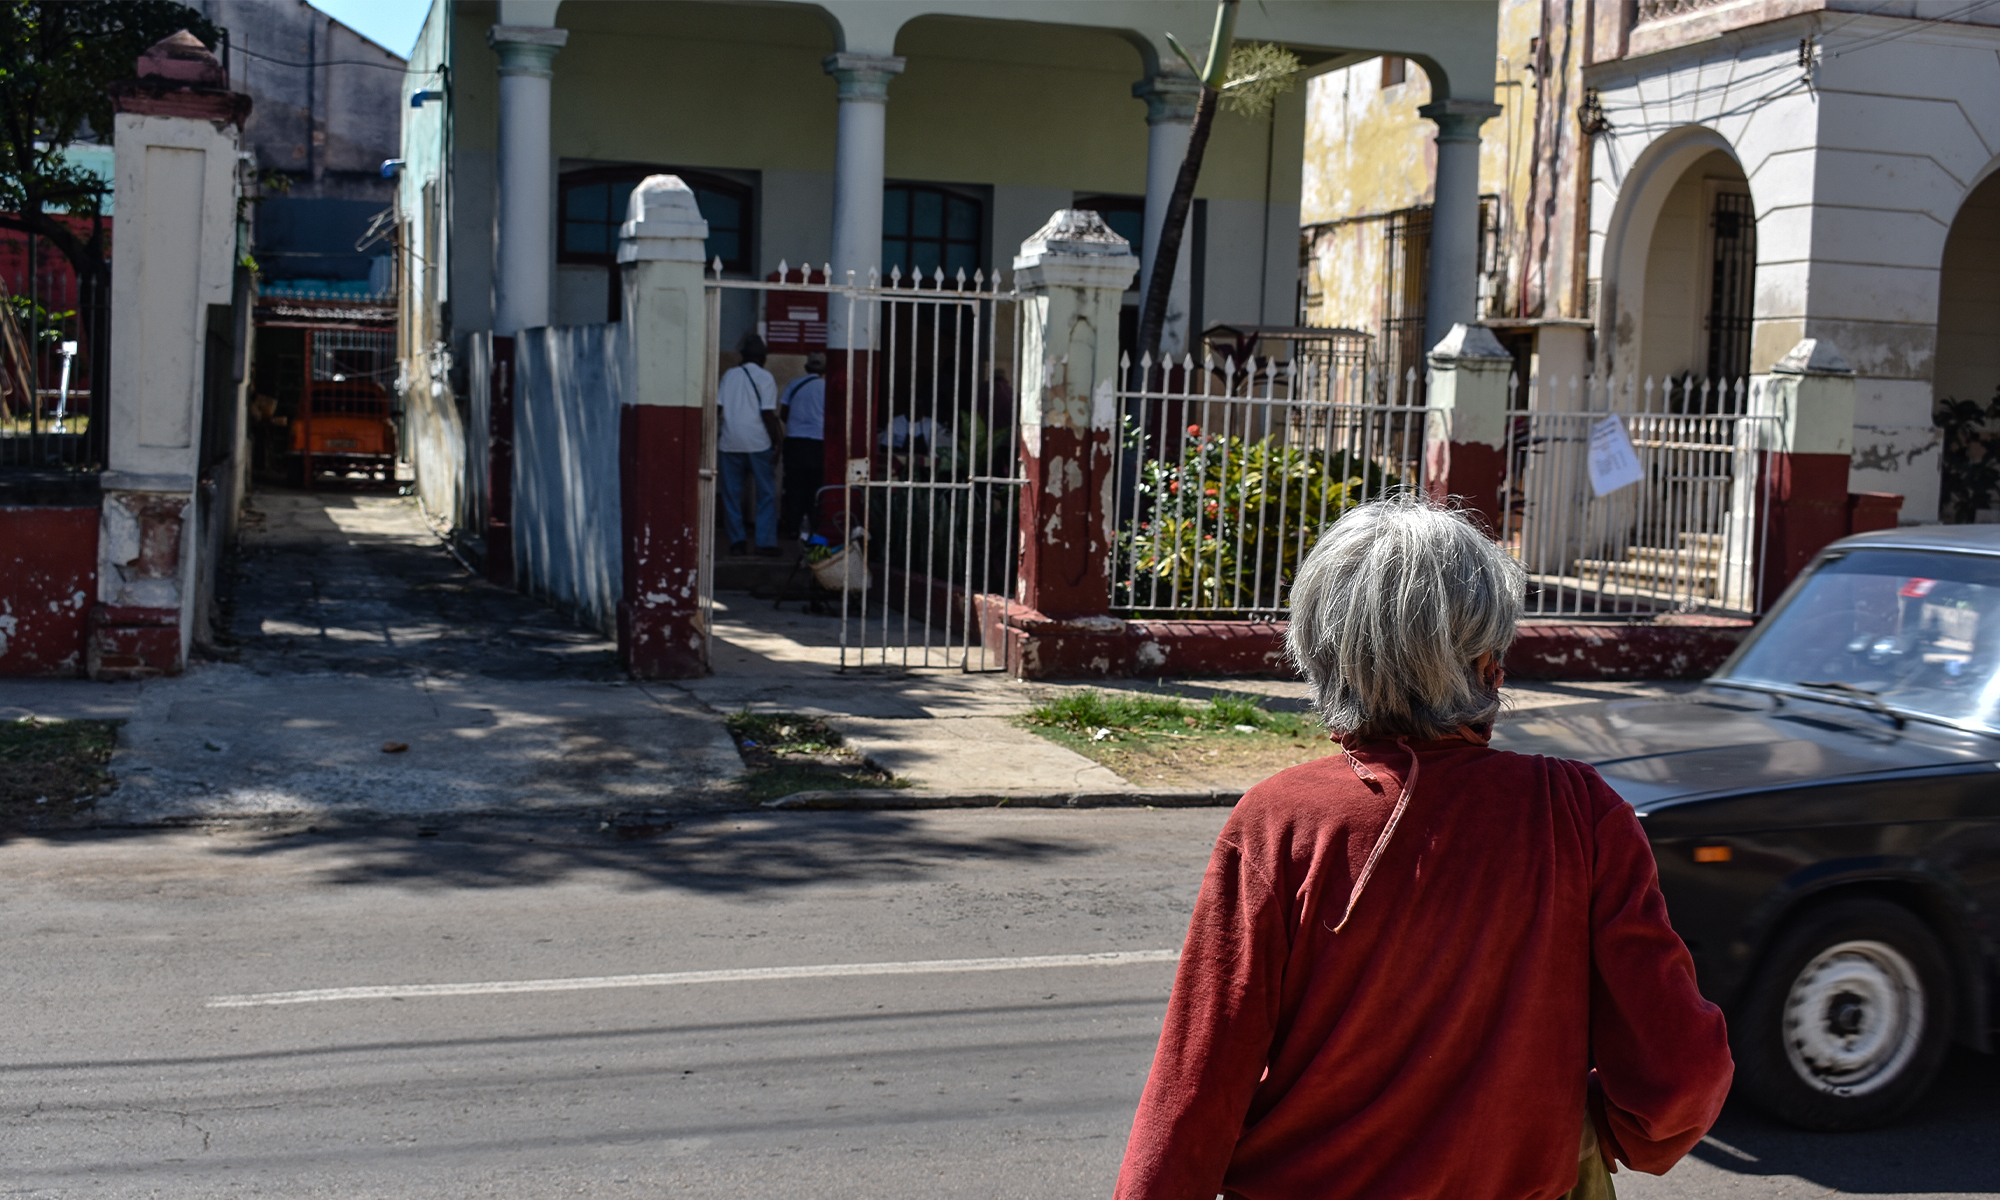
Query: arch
x=1628 y=237
x=1966 y=365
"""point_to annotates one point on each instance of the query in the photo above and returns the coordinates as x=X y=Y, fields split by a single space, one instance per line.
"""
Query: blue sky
x=393 y=23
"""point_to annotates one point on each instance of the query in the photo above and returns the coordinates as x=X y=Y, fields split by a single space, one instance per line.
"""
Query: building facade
x=887 y=135
x=1684 y=190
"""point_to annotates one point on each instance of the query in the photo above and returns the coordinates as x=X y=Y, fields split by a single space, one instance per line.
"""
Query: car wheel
x=1847 y=1023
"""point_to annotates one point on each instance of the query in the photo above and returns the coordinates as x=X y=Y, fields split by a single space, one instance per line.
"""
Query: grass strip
x=787 y=753
x=1170 y=741
x=1108 y=716
x=53 y=770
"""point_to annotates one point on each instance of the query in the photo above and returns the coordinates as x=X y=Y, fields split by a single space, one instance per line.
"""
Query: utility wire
x=331 y=62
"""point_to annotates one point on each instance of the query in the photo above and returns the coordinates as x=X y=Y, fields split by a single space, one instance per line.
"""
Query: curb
x=887 y=799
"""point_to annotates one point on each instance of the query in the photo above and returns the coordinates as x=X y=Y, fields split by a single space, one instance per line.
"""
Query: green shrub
x=1970 y=474
x=1224 y=527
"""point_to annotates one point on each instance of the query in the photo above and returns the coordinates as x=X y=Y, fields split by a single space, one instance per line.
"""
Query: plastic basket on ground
x=846 y=569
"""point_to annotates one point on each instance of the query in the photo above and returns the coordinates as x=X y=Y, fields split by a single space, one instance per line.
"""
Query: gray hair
x=1392 y=611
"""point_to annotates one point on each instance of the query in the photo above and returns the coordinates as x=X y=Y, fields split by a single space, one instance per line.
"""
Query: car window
x=1920 y=630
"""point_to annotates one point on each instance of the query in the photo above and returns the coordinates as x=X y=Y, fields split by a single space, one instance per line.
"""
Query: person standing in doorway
x=803 y=410
x=745 y=443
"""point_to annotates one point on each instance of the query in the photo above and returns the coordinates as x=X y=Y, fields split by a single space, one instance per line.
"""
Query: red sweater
x=1511 y=937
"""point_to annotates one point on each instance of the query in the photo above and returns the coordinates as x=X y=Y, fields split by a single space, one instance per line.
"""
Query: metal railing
x=1685 y=537
x=1225 y=477
x=53 y=360
x=930 y=495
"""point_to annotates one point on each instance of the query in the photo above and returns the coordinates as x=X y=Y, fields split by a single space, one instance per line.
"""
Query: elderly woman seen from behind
x=1408 y=957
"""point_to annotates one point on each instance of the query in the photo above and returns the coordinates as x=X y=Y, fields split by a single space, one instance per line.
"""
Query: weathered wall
x=327 y=124
x=1857 y=165
x=48 y=556
x=567 y=546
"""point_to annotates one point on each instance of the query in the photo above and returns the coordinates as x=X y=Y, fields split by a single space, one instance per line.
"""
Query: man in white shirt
x=803 y=410
x=746 y=434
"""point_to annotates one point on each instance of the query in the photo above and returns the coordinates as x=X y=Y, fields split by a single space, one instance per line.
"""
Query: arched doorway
x=1968 y=352
x=1679 y=267
x=1700 y=271
x=1967 y=366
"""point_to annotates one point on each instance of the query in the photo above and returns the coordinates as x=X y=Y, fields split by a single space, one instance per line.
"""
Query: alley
x=349 y=632
x=132 y=1080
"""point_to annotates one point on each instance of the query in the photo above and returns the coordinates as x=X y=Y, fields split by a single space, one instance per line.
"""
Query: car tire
x=1847 y=1023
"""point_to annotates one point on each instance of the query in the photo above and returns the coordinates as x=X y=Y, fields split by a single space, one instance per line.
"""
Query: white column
x=524 y=259
x=860 y=148
x=1452 y=289
x=1170 y=102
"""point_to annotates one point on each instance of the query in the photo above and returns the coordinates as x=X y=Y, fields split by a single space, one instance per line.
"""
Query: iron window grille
x=1732 y=280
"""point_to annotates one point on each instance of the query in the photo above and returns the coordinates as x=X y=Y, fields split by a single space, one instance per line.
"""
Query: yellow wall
x=1004 y=103
x=694 y=84
x=1368 y=153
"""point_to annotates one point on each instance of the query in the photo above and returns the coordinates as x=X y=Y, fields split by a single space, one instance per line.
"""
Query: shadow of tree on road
x=711 y=855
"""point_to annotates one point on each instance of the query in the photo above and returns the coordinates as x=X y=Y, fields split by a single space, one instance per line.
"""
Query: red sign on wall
x=795 y=322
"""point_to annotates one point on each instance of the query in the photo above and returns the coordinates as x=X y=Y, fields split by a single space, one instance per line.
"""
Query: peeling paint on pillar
x=1810 y=393
x=1073 y=273
x=1465 y=442
x=662 y=630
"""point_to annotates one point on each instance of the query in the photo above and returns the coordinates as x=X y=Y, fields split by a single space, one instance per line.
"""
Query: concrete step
x=1700 y=580
x=1660 y=554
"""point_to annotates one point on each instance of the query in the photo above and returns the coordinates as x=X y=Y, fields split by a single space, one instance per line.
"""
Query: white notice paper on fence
x=1612 y=463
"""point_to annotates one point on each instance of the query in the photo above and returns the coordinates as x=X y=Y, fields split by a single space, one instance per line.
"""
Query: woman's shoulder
x=1308 y=788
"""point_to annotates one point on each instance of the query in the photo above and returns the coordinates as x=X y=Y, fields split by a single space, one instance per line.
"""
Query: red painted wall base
x=134 y=643
x=1037 y=646
x=1670 y=648
x=660 y=631
x=48 y=558
x=1808 y=507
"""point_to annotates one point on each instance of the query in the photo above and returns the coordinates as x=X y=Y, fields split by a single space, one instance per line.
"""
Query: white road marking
x=497 y=987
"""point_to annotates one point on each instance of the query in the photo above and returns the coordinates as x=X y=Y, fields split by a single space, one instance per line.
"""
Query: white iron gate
x=1226 y=475
x=921 y=527
x=1685 y=538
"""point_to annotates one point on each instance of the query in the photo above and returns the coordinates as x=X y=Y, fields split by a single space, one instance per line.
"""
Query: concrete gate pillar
x=1465 y=445
x=663 y=435
x=1073 y=273
x=176 y=131
x=1805 y=460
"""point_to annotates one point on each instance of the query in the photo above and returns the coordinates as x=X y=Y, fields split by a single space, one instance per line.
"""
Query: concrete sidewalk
x=952 y=733
x=354 y=631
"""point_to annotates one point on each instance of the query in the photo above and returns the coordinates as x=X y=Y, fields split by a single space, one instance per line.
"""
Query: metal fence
x=54 y=356
x=925 y=514
x=1685 y=537
x=1225 y=477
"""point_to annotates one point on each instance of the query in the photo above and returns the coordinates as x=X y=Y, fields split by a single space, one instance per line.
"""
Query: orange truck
x=345 y=428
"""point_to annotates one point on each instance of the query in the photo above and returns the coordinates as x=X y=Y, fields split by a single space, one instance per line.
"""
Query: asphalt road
x=792 y=1074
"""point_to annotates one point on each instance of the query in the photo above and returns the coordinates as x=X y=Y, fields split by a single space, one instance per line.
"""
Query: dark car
x=1825 y=810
